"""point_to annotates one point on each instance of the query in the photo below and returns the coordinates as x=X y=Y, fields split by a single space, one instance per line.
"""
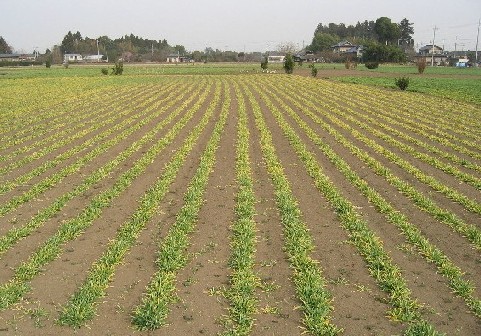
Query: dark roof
x=430 y=47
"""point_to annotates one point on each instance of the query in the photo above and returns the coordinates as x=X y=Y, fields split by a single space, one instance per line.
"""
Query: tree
x=406 y=30
x=287 y=47
x=323 y=42
x=386 y=30
x=377 y=52
x=289 y=64
x=5 y=48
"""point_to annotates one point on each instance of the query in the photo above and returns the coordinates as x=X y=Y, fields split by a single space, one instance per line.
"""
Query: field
x=219 y=200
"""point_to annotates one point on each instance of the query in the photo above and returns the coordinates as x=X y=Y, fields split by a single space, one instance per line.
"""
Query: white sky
x=251 y=25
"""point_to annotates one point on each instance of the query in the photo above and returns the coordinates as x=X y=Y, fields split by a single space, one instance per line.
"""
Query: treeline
x=383 y=30
x=131 y=48
x=382 y=39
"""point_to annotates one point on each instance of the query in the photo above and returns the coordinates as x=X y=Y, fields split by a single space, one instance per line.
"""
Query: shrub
x=313 y=71
x=402 y=82
x=105 y=71
x=288 y=64
x=421 y=64
x=264 y=63
x=48 y=64
x=372 y=65
x=118 y=68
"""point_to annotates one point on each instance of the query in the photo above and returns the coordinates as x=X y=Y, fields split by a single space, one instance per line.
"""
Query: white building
x=72 y=58
x=94 y=58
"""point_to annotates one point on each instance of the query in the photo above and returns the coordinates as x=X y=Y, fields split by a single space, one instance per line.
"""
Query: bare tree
x=287 y=48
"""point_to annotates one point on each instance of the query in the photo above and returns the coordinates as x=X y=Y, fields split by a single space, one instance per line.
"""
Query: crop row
x=152 y=312
x=56 y=117
x=15 y=234
x=144 y=116
x=309 y=282
x=430 y=252
x=18 y=286
x=69 y=134
x=50 y=181
x=81 y=307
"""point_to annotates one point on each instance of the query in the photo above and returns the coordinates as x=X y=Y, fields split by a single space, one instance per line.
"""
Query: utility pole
x=98 y=51
x=477 y=40
x=434 y=38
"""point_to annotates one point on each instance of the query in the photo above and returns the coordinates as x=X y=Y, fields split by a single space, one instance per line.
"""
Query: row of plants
x=82 y=305
x=52 y=180
x=420 y=143
x=152 y=312
x=22 y=98
x=63 y=129
x=425 y=203
x=310 y=284
x=371 y=106
x=54 y=117
x=386 y=273
x=420 y=109
x=17 y=233
x=348 y=114
x=100 y=140
x=18 y=285
x=243 y=279
x=460 y=286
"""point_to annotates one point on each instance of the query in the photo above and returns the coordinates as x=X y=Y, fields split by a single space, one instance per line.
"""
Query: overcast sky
x=250 y=25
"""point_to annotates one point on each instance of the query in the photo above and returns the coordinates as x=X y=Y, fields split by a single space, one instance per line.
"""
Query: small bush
x=402 y=82
x=372 y=65
x=313 y=71
x=421 y=64
x=264 y=63
x=288 y=64
x=105 y=71
x=48 y=64
x=118 y=68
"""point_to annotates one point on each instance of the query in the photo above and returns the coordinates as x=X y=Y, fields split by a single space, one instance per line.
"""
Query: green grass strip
x=15 y=234
x=14 y=289
x=308 y=279
x=243 y=280
x=82 y=305
x=152 y=312
x=460 y=286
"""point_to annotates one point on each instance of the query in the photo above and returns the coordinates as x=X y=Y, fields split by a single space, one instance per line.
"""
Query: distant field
x=216 y=200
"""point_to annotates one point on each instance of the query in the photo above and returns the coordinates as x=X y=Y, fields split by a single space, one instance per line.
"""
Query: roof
x=344 y=43
x=9 y=55
x=355 y=49
x=430 y=47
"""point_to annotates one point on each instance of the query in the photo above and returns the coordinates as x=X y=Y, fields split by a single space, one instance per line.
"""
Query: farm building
x=16 y=57
x=176 y=58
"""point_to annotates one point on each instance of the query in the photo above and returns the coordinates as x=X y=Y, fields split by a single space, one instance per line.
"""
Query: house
x=342 y=47
x=355 y=51
x=433 y=54
x=275 y=57
x=72 y=58
x=173 y=58
x=305 y=56
x=429 y=50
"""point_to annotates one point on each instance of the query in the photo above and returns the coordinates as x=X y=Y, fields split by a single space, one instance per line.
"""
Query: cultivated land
x=217 y=200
